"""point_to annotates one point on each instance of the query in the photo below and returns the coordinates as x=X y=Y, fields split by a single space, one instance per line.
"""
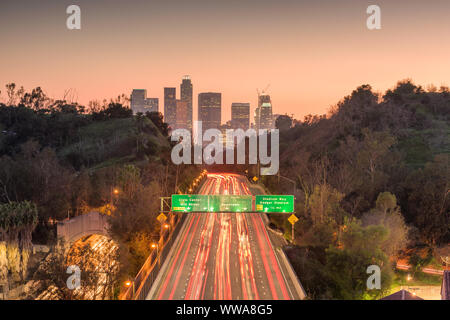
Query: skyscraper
x=140 y=102
x=186 y=96
x=170 y=107
x=265 y=116
x=240 y=115
x=152 y=105
x=263 y=113
x=137 y=101
x=181 y=115
x=209 y=110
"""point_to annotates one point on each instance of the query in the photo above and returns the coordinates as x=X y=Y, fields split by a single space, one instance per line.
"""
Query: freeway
x=223 y=256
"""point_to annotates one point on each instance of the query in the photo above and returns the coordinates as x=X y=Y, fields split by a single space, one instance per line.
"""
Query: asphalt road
x=223 y=255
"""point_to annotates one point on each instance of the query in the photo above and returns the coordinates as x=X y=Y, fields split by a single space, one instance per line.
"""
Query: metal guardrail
x=145 y=278
x=149 y=271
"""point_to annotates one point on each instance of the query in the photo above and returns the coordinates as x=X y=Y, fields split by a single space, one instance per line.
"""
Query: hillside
x=114 y=141
x=369 y=144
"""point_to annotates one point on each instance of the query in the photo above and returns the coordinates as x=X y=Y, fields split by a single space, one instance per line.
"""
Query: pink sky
x=311 y=55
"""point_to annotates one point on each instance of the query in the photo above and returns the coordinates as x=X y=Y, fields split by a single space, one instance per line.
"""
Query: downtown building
x=170 y=107
x=140 y=103
x=240 y=115
x=263 y=113
x=186 y=96
x=181 y=115
x=210 y=110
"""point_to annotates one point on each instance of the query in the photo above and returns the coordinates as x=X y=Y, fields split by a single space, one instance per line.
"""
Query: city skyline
x=311 y=55
x=178 y=113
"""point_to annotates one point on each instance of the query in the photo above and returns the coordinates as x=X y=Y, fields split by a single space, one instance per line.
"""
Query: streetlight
x=113 y=192
x=128 y=284
x=164 y=226
x=288 y=179
x=156 y=246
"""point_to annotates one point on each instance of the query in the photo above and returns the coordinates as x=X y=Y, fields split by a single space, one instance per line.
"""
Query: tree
x=36 y=99
x=36 y=175
x=13 y=95
x=347 y=266
x=136 y=208
x=17 y=222
x=325 y=205
x=388 y=214
x=116 y=111
x=352 y=113
x=428 y=201
x=157 y=119
x=283 y=122
x=310 y=174
x=375 y=146
x=140 y=250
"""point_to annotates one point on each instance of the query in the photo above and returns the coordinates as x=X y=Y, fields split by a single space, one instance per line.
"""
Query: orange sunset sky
x=312 y=53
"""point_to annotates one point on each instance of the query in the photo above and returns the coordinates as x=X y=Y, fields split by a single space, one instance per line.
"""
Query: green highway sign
x=272 y=203
x=190 y=203
x=211 y=203
x=230 y=203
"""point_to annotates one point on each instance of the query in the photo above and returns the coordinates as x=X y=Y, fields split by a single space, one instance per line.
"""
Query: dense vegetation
x=373 y=178
x=68 y=159
x=17 y=222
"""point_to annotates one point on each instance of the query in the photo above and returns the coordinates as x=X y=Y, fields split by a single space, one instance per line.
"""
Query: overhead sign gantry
x=232 y=203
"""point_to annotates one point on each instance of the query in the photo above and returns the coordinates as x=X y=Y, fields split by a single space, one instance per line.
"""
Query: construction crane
x=263 y=91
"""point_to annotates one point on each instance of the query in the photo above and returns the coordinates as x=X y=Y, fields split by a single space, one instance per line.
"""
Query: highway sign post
x=293 y=220
x=211 y=203
x=230 y=203
x=190 y=203
x=161 y=218
x=274 y=203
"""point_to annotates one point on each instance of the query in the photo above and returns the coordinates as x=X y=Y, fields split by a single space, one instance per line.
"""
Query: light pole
x=114 y=192
x=290 y=180
x=129 y=283
x=166 y=226
x=156 y=246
